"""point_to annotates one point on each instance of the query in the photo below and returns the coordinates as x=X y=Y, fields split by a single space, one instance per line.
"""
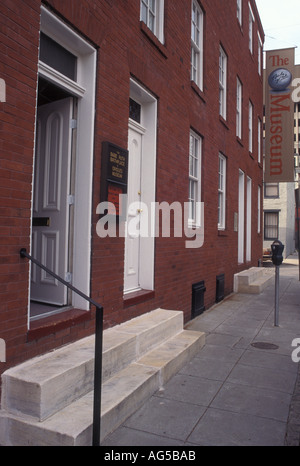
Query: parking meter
x=277 y=258
x=277 y=250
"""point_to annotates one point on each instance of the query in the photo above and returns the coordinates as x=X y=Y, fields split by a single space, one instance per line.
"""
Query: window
x=56 y=56
x=197 y=45
x=251 y=23
x=271 y=190
x=195 y=179
x=239 y=109
x=152 y=14
x=239 y=11
x=222 y=82
x=260 y=50
x=259 y=140
x=271 y=225
x=135 y=110
x=222 y=192
x=250 y=126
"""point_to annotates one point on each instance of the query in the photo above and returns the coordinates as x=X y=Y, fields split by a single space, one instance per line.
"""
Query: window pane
x=194 y=177
x=271 y=225
x=57 y=57
x=134 y=111
x=144 y=13
x=271 y=190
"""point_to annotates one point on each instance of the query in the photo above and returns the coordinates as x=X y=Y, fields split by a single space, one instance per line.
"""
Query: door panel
x=132 y=226
x=50 y=206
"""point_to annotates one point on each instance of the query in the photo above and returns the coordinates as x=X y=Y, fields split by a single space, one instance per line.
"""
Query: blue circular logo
x=280 y=79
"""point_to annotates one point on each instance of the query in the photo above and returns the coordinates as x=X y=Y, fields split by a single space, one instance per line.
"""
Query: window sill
x=223 y=121
x=239 y=141
x=153 y=39
x=198 y=91
x=137 y=297
x=48 y=325
x=222 y=232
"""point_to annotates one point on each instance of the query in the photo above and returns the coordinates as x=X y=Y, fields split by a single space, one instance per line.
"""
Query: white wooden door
x=50 y=202
x=134 y=212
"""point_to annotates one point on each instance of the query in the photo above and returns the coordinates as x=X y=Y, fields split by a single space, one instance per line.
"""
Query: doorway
x=52 y=225
x=140 y=228
x=134 y=211
x=66 y=100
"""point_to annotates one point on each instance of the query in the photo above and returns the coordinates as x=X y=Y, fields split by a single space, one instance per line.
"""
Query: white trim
x=63 y=81
x=251 y=24
x=249 y=220
x=241 y=221
x=223 y=83
x=251 y=108
x=84 y=89
x=148 y=128
x=136 y=126
x=158 y=18
x=222 y=225
x=195 y=222
x=197 y=48
x=239 y=13
x=239 y=108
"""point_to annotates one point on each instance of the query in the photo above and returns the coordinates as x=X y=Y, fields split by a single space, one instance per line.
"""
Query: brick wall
x=126 y=48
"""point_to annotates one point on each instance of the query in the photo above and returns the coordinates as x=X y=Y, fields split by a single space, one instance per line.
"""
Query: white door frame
x=84 y=89
x=148 y=179
x=241 y=229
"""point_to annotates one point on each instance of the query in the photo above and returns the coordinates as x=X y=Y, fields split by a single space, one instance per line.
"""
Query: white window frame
x=197 y=22
x=259 y=137
x=260 y=52
x=223 y=83
x=251 y=23
x=152 y=14
x=222 y=192
x=195 y=160
x=240 y=11
x=239 y=97
x=250 y=127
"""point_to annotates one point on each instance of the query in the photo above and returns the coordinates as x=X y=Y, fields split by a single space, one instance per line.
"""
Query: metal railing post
x=98 y=347
x=97 y=377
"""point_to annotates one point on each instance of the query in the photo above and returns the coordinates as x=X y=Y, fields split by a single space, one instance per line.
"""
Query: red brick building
x=180 y=87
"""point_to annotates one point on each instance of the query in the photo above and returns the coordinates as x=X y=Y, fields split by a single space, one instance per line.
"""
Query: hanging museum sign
x=279 y=116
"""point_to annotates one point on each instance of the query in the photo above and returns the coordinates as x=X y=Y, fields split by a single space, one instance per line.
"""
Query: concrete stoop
x=49 y=400
x=253 y=280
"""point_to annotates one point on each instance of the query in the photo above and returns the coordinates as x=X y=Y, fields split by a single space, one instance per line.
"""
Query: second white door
x=134 y=211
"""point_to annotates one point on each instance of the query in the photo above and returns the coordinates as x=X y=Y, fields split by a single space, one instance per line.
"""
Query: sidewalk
x=242 y=388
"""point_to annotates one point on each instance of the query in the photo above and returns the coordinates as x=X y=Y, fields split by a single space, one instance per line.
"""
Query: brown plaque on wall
x=114 y=173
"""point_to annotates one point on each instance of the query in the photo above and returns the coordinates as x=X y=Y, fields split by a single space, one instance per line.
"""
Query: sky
x=281 y=23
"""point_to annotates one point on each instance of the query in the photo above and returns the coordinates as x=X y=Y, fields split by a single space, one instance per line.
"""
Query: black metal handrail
x=98 y=346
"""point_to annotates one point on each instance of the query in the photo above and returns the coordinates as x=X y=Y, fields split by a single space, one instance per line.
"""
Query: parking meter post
x=276 y=316
x=277 y=258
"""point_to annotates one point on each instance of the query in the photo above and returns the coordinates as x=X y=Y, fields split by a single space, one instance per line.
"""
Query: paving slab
x=242 y=388
x=225 y=428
